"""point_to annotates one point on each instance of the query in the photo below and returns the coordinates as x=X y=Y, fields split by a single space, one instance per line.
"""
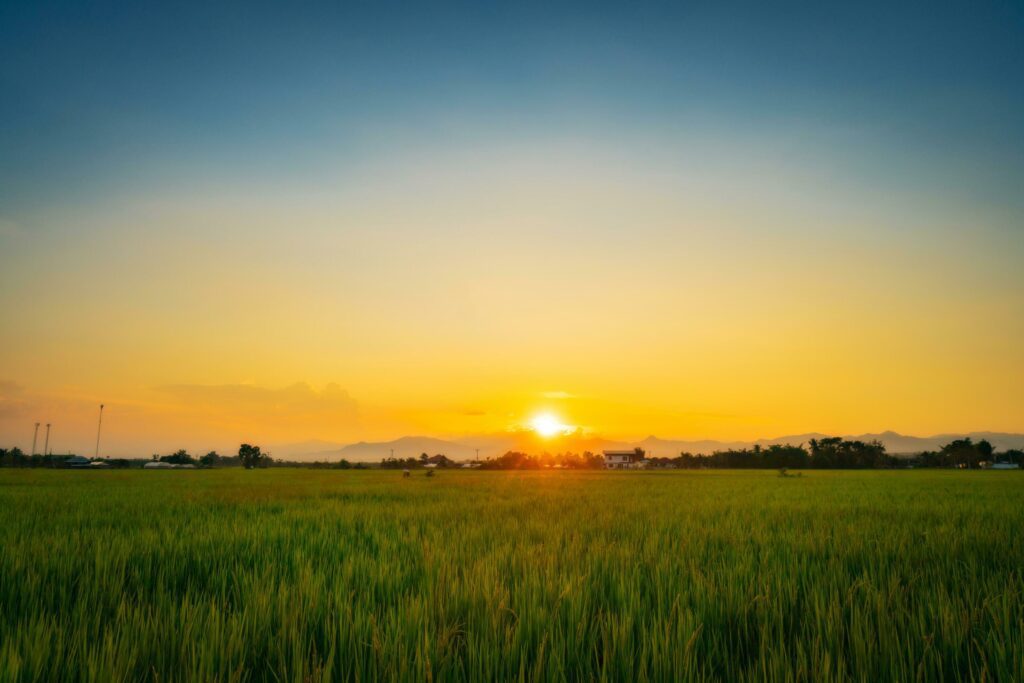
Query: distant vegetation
x=514 y=460
x=836 y=453
x=295 y=575
x=439 y=460
x=827 y=453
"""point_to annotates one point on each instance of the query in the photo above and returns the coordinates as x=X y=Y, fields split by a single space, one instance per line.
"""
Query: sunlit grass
x=298 y=575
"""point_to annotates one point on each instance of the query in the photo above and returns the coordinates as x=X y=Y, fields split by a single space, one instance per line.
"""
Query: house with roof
x=623 y=460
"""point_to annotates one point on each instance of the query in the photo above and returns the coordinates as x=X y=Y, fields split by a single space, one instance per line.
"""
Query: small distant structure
x=623 y=460
x=161 y=465
x=98 y=465
x=1005 y=466
x=78 y=462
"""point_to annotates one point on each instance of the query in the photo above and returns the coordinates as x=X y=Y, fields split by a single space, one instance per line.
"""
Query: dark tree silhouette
x=250 y=456
x=1013 y=455
x=180 y=457
x=961 y=453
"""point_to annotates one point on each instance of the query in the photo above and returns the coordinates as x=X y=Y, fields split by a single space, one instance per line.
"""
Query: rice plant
x=295 y=575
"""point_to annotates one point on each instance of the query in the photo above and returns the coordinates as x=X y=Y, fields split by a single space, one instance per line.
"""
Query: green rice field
x=302 y=575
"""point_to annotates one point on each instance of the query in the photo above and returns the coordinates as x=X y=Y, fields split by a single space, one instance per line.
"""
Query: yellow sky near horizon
x=624 y=290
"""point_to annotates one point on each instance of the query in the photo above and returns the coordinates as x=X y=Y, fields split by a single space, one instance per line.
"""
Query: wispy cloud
x=297 y=399
x=558 y=395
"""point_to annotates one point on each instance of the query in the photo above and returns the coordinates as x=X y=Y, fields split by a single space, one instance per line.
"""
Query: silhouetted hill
x=405 y=447
x=302 y=450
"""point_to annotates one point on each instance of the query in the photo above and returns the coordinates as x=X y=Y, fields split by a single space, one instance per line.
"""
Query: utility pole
x=392 y=453
x=46 y=445
x=478 y=455
x=35 y=435
x=99 y=426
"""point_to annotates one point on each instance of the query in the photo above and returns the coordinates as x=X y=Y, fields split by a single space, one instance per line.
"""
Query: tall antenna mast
x=46 y=445
x=35 y=435
x=99 y=426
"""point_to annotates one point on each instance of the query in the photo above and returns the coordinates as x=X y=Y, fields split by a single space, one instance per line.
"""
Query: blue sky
x=102 y=96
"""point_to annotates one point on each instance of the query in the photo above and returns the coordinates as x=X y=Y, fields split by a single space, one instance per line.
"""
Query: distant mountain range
x=490 y=445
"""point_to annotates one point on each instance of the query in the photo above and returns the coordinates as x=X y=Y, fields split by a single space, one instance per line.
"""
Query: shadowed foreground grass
x=293 y=575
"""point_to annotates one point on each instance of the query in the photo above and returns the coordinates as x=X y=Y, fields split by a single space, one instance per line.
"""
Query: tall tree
x=249 y=455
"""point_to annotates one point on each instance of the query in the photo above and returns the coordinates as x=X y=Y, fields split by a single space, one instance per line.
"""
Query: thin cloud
x=558 y=395
x=298 y=398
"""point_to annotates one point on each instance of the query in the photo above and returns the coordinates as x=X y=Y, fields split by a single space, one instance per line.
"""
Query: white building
x=622 y=460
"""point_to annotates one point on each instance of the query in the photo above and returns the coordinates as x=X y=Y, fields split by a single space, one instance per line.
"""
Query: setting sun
x=548 y=425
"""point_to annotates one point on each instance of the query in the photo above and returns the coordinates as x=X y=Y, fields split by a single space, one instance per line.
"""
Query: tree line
x=838 y=453
x=438 y=460
x=827 y=453
x=515 y=460
x=249 y=457
x=15 y=457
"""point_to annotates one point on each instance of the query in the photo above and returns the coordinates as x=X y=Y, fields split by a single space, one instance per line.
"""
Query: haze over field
x=353 y=223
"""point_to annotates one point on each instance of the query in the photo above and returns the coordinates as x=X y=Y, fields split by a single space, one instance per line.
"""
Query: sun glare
x=547 y=425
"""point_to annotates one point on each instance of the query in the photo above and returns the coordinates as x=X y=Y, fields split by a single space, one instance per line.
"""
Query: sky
x=357 y=221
